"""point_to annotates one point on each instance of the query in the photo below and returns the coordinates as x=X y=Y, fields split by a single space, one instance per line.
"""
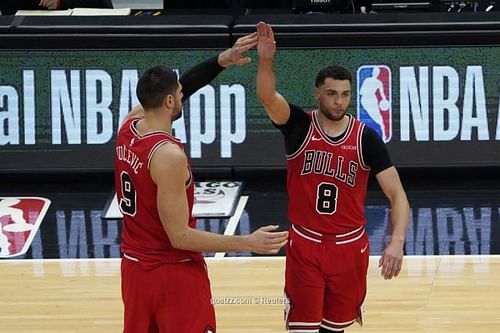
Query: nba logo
x=20 y=219
x=374 y=99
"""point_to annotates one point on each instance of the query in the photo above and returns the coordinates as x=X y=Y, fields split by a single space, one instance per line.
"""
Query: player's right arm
x=274 y=103
x=169 y=170
x=392 y=257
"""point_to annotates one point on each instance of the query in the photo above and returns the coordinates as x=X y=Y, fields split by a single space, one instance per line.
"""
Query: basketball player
x=329 y=155
x=165 y=286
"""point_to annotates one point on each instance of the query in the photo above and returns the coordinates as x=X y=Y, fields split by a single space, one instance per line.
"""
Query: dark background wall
x=58 y=74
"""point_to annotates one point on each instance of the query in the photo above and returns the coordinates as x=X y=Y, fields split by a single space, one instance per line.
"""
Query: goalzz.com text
x=250 y=300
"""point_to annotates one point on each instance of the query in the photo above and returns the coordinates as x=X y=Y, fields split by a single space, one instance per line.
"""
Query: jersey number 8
x=326 y=198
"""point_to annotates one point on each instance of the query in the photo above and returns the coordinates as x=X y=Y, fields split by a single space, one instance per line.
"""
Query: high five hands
x=235 y=55
x=263 y=38
x=266 y=45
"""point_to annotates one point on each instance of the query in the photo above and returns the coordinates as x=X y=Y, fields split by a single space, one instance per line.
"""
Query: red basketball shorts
x=172 y=298
x=325 y=279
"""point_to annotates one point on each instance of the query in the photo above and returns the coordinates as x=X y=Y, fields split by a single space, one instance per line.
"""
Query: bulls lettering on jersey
x=323 y=162
x=327 y=180
x=374 y=99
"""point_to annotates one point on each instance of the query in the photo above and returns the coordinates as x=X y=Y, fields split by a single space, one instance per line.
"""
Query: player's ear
x=168 y=101
x=316 y=93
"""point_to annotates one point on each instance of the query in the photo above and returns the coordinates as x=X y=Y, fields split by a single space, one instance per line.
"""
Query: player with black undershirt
x=330 y=156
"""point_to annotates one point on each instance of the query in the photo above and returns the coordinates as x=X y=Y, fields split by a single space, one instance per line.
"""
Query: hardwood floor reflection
x=432 y=294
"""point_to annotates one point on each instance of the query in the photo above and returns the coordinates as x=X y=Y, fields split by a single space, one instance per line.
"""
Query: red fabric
x=143 y=236
x=171 y=298
x=325 y=282
x=327 y=181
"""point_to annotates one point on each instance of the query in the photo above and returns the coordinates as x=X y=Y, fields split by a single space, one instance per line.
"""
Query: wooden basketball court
x=433 y=294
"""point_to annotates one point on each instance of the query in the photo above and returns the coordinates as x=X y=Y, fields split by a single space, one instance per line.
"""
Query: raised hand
x=235 y=55
x=266 y=241
x=266 y=45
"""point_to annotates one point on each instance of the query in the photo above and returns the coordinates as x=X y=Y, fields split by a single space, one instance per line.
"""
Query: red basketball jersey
x=327 y=180
x=143 y=236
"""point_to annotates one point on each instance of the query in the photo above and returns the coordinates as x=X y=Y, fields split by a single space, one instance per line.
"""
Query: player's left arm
x=203 y=73
x=391 y=259
x=376 y=156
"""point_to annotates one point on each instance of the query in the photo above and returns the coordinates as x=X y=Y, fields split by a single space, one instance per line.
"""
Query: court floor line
x=234 y=221
x=260 y=258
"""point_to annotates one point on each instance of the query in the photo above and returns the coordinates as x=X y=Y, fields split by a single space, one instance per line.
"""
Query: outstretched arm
x=392 y=257
x=201 y=74
x=274 y=103
x=169 y=170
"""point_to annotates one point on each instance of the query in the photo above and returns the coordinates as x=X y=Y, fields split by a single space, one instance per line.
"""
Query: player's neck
x=333 y=128
x=154 y=122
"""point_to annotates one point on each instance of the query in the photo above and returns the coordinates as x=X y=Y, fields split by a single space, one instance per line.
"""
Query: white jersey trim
x=359 y=140
x=348 y=233
x=305 y=236
x=331 y=328
x=312 y=231
x=352 y=239
x=153 y=150
x=136 y=132
x=301 y=323
x=130 y=257
x=345 y=135
x=339 y=324
x=155 y=147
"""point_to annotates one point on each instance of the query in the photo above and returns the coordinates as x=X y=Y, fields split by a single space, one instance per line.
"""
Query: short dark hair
x=335 y=72
x=156 y=83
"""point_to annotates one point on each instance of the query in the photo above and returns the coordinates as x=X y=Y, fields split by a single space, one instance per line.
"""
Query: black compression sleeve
x=375 y=153
x=295 y=130
x=199 y=76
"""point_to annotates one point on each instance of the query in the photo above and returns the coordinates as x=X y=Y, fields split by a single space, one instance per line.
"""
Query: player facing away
x=165 y=287
x=330 y=155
